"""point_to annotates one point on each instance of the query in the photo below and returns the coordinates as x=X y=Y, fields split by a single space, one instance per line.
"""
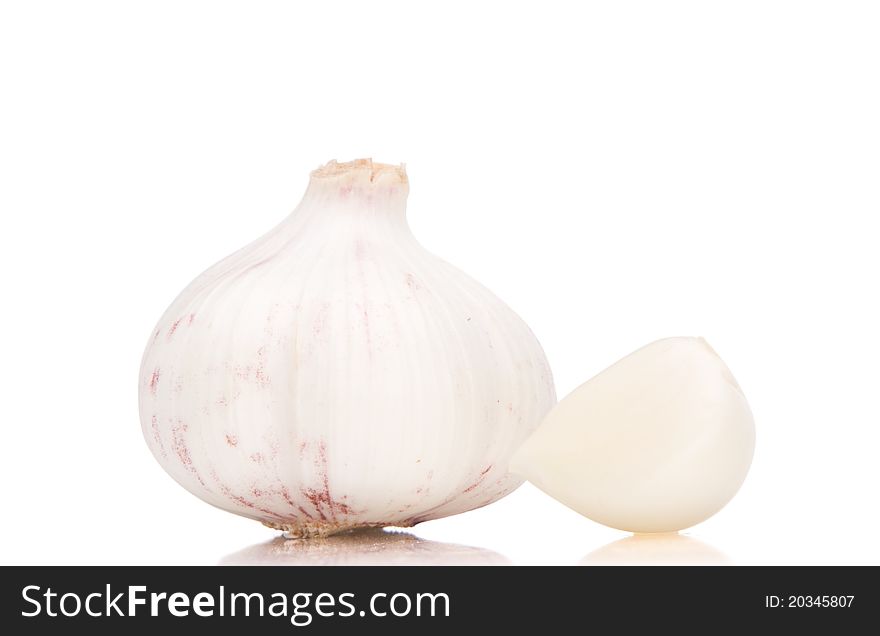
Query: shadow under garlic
x=657 y=549
x=363 y=547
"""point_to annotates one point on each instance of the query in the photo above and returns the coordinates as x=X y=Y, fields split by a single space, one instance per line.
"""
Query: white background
x=618 y=172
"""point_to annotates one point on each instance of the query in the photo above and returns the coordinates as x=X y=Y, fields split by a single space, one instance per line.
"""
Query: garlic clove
x=658 y=442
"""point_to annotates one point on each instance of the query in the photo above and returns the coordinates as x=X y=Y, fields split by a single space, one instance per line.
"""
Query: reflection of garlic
x=333 y=374
x=657 y=442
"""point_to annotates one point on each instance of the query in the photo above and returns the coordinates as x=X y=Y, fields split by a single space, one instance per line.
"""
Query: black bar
x=550 y=599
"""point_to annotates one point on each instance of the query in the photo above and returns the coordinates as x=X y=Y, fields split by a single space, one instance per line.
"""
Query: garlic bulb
x=658 y=442
x=333 y=374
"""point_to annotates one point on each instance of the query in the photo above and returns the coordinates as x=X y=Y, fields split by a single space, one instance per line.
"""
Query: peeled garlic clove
x=658 y=442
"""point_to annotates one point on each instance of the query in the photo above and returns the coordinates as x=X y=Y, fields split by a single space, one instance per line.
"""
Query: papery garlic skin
x=658 y=442
x=333 y=374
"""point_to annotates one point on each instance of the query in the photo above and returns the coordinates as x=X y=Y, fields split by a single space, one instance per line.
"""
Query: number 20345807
x=815 y=600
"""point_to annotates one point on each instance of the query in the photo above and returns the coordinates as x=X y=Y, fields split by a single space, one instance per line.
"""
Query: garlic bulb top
x=333 y=374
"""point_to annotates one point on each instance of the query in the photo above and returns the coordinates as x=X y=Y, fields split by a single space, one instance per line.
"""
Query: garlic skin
x=658 y=442
x=333 y=374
